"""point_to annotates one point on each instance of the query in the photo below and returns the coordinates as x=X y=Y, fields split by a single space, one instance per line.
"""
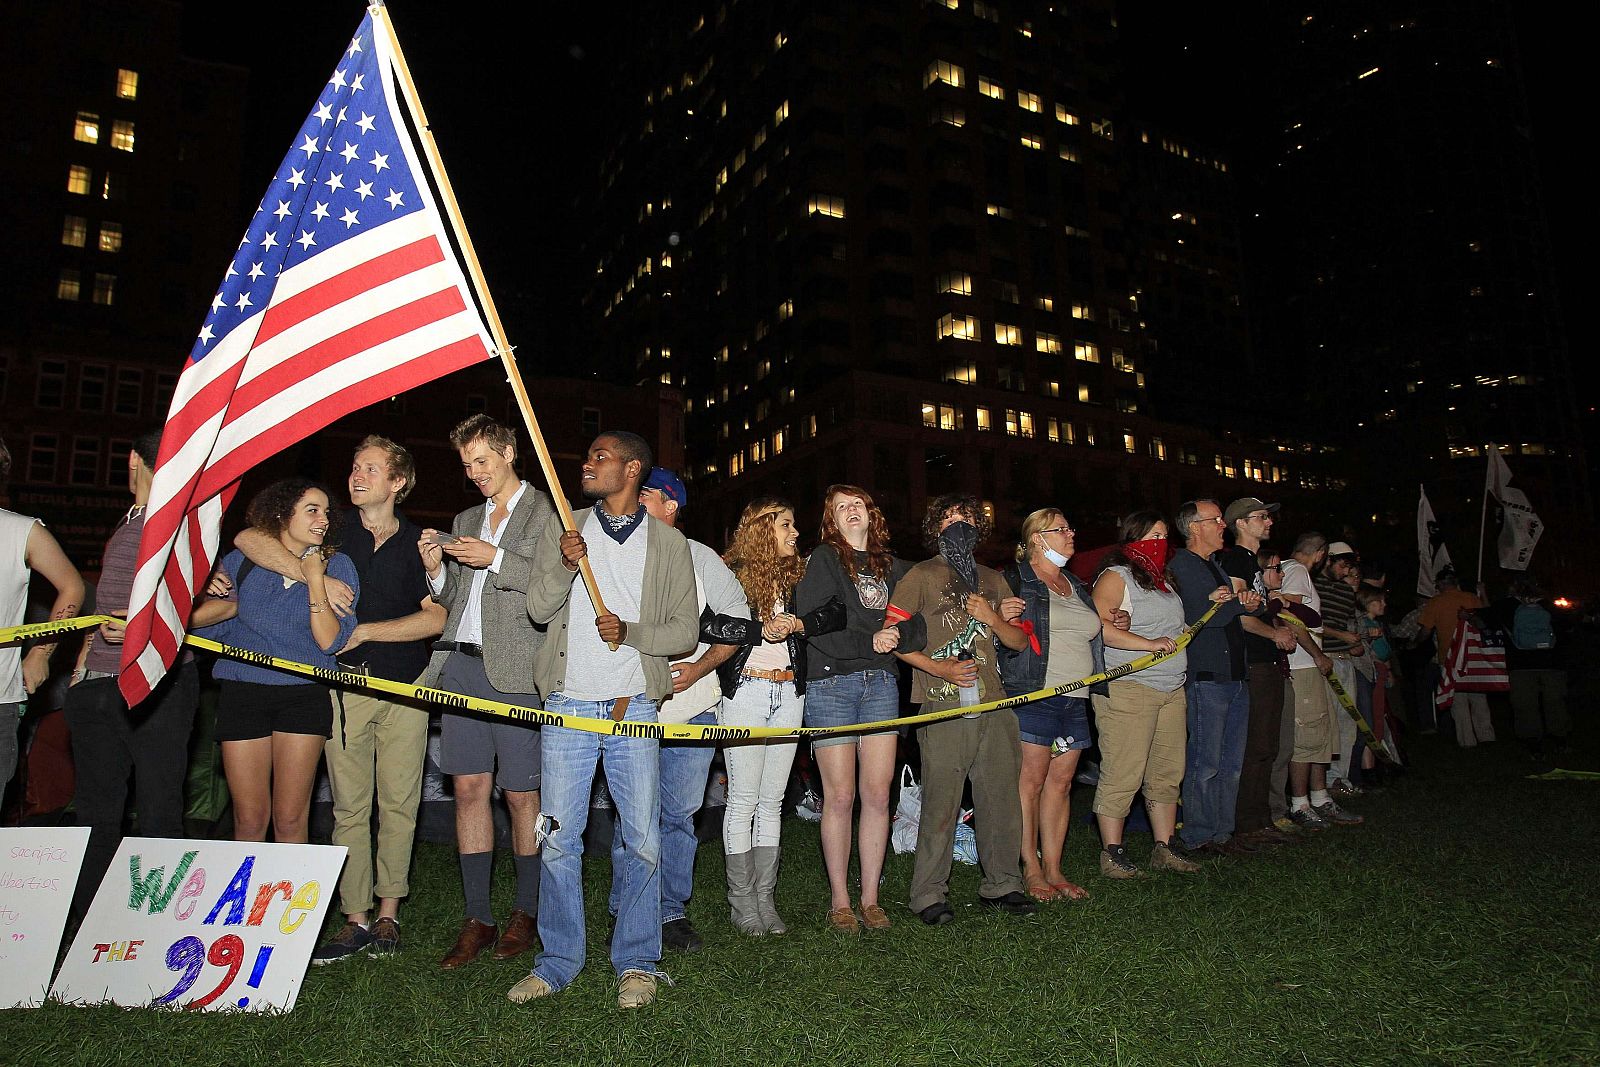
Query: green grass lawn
x=1457 y=926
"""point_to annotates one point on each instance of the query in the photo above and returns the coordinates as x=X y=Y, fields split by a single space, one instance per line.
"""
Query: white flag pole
x=1483 y=520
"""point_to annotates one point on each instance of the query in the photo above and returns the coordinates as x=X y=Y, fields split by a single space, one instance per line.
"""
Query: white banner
x=38 y=872
x=1434 y=557
x=1519 y=526
x=202 y=925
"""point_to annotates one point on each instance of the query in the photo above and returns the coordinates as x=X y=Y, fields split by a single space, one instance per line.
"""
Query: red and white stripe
x=1472 y=666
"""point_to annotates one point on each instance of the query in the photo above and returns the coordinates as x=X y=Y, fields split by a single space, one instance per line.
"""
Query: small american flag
x=343 y=291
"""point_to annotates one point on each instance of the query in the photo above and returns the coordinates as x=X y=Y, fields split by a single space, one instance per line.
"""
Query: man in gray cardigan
x=614 y=669
x=480 y=572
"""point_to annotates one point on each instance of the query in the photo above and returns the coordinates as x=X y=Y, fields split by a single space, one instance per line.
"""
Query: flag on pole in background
x=1519 y=526
x=344 y=291
x=1434 y=557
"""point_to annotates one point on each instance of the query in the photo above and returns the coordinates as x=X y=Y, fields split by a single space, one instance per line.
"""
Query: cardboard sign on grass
x=202 y=925
x=38 y=872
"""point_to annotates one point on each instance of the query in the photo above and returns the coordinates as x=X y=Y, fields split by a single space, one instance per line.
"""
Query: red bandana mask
x=1151 y=554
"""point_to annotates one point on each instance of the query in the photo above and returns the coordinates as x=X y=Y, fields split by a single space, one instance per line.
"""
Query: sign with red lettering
x=202 y=925
x=38 y=872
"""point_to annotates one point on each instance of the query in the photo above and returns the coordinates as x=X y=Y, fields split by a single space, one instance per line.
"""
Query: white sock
x=1298 y=803
x=1319 y=797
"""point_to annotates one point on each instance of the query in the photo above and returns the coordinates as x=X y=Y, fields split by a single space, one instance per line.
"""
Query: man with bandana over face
x=960 y=602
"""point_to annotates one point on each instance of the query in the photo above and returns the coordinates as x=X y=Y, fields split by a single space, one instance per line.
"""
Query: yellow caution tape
x=458 y=702
x=10 y=635
x=1382 y=750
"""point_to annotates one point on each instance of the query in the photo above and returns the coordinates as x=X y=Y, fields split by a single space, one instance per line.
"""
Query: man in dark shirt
x=1217 y=694
x=378 y=744
x=1250 y=522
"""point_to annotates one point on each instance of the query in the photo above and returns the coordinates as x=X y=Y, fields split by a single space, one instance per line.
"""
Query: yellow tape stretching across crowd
x=660 y=731
x=1381 y=749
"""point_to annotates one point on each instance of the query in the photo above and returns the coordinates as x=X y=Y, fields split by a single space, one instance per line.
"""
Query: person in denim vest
x=1064 y=645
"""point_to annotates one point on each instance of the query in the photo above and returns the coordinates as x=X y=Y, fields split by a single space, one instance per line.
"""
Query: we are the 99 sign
x=202 y=926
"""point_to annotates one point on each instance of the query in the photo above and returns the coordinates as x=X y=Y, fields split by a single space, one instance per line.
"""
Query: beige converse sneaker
x=530 y=988
x=1163 y=858
x=638 y=989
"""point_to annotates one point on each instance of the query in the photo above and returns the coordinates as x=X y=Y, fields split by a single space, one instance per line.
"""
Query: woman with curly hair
x=272 y=724
x=1141 y=722
x=852 y=678
x=763 y=683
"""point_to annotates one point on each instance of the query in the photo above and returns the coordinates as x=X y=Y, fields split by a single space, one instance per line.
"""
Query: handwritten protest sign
x=202 y=925
x=38 y=872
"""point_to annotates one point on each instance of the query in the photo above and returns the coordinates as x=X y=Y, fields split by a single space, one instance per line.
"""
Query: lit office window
x=1129 y=444
x=1063 y=115
x=1028 y=101
x=960 y=327
x=735 y=464
x=122 y=135
x=127 y=85
x=941 y=70
x=1048 y=343
x=992 y=90
x=759 y=139
x=1030 y=141
x=955 y=281
x=110 y=237
x=985 y=421
x=999 y=211
x=831 y=206
x=785 y=310
x=950 y=116
x=1068 y=153
x=1086 y=352
x=1052 y=389
x=1052 y=430
x=69 y=284
x=962 y=373
x=1007 y=335
x=1120 y=361
x=1084 y=398
x=1104 y=128
x=1083 y=311
x=78 y=179
x=1044 y=303
x=1158 y=448
x=74 y=231
x=780 y=113
x=86 y=128
x=105 y=289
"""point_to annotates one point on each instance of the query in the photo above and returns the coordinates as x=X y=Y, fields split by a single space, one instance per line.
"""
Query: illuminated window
x=779 y=40
x=1007 y=335
x=951 y=4
x=960 y=327
x=759 y=139
x=69 y=284
x=1088 y=430
x=955 y=281
x=1129 y=444
x=780 y=113
x=785 y=310
x=1028 y=101
x=1083 y=398
x=110 y=237
x=758 y=176
x=831 y=206
x=1052 y=389
x=984 y=421
x=78 y=179
x=990 y=89
x=1083 y=311
x=1104 y=128
x=1063 y=115
x=722 y=179
x=1052 y=430
x=944 y=71
x=122 y=135
x=950 y=116
x=811 y=426
x=74 y=231
x=127 y=85
x=1068 y=153
x=1044 y=303
x=1158 y=448
x=111 y=187
x=1120 y=361
x=1088 y=353
x=998 y=211
x=1030 y=141
x=736 y=464
x=1047 y=343
x=1019 y=423
x=943 y=417
x=1075 y=231
x=962 y=373
x=86 y=128
x=722 y=357
x=666 y=260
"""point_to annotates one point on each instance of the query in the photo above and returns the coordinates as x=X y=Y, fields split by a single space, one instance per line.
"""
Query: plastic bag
x=907 y=814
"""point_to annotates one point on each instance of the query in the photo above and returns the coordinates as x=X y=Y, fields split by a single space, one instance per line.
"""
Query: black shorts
x=249 y=710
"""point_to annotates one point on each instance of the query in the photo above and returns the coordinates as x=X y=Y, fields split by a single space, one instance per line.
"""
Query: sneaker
x=681 y=936
x=809 y=806
x=385 y=936
x=638 y=989
x=1309 y=819
x=530 y=988
x=1169 y=857
x=352 y=940
x=1346 y=788
x=1287 y=827
x=1114 y=863
x=1333 y=813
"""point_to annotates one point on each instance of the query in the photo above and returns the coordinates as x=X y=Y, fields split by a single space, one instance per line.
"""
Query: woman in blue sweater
x=272 y=724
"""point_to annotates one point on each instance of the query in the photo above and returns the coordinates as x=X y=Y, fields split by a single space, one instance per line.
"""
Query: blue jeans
x=1218 y=720
x=1363 y=699
x=685 y=767
x=632 y=768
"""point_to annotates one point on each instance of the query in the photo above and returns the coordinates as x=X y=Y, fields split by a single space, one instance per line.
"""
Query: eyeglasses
x=1059 y=530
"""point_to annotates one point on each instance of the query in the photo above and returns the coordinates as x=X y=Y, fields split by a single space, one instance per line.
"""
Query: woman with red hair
x=853 y=678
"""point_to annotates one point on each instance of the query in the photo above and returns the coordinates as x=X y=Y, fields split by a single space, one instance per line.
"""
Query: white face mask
x=1052 y=555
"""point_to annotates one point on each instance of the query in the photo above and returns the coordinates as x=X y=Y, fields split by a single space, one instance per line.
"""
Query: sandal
x=1044 y=894
x=1070 y=890
x=843 y=920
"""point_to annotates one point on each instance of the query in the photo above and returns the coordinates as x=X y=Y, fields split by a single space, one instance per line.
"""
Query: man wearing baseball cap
x=685 y=765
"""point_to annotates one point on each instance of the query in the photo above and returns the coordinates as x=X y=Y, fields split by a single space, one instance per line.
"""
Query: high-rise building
x=914 y=246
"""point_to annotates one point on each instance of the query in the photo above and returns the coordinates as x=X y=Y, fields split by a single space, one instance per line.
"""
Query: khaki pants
x=1142 y=745
x=1314 y=735
x=379 y=747
x=987 y=749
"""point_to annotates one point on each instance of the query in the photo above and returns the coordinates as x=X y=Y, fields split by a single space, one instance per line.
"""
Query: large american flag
x=344 y=291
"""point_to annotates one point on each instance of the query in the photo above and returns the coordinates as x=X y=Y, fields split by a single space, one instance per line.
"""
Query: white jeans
x=758 y=772
x=1471 y=714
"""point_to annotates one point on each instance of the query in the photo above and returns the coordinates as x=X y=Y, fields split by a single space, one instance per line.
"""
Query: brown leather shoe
x=518 y=938
x=470 y=943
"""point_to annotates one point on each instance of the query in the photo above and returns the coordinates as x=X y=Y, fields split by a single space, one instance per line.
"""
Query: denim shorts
x=1042 y=721
x=849 y=700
